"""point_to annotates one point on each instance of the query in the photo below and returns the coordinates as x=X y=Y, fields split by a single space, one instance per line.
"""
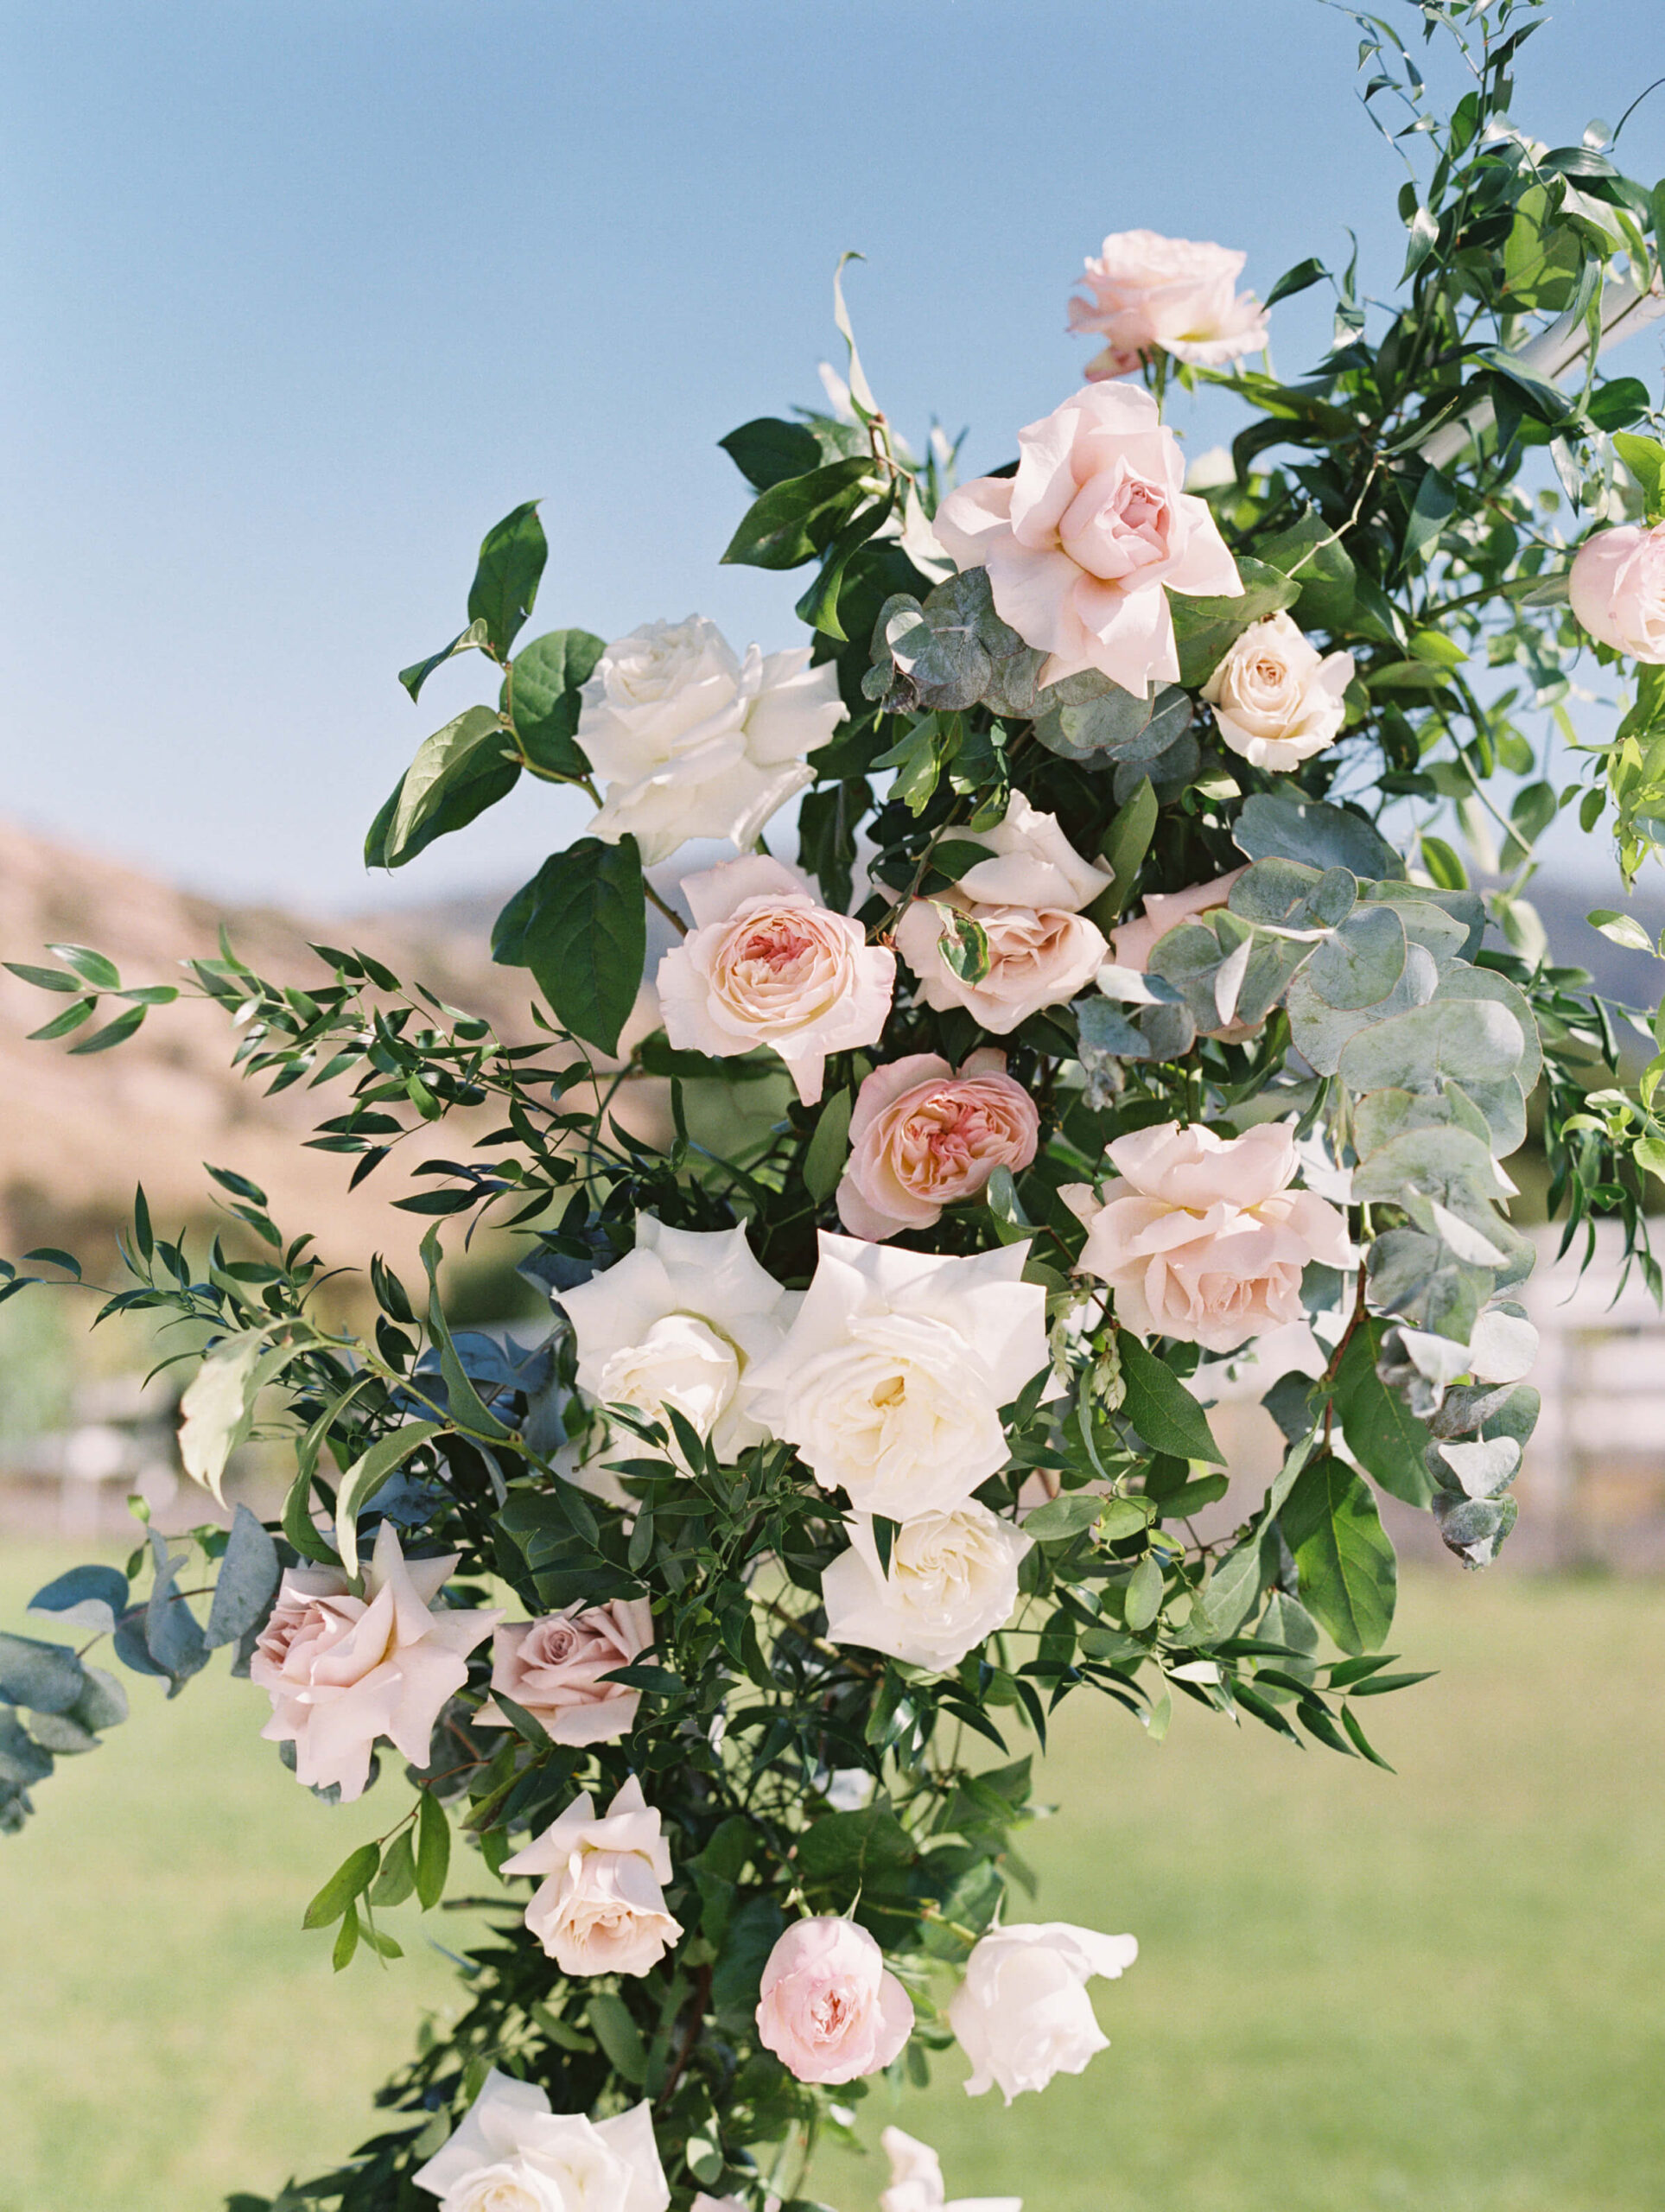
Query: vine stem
x=697 y=2002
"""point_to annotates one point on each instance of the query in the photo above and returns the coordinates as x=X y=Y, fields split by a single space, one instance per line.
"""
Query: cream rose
x=830 y=2010
x=1617 y=589
x=891 y=1378
x=1151 y=295
x=766 y=964
x=1027 y=898
x=555 y=1669
x=953 y=1580
x=1022 y=2014
x=602 y=1909
x=923 y=1138
x=1080 y=544
x=691 y=742
x=1276 y=700
x=915 y=2181
x=341 y=1670
x=510 y=2153
x=680 y=1322
x=1200 y=1236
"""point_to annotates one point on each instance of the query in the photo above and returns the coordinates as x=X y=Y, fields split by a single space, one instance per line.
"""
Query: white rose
x=693 y=742
x=1275 y=700
x=767 y=963
x=1022 y=2013
x=915 y=2181
x=891 y=1380
x=602 y=1909
x=680 y=1321
x=510 y=2153
x=953 y=1580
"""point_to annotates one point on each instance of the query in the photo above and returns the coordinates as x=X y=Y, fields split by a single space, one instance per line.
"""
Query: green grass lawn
x=1439 y=1990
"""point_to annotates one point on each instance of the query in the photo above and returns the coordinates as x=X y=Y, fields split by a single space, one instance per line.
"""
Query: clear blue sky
x=303 y=293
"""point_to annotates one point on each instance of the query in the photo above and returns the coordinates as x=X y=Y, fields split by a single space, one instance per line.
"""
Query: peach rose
x=1276 y=700
x=830 y=2010
x=556 y=1669
x=1170 y=295
x=1080 y=542
x=923 y=1138
x=1617 y=589
x=1200 y=1236
x=341 y=1670
x=602 y=1909
x=766 y=964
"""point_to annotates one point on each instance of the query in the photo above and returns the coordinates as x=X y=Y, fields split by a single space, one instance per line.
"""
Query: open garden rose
x=891 y=1380
x=915 y=2181
x=923 y=1138
x=1276 y=700
x=1027 y=898
x=1200 y=1236
x=1617 y=589
x=1022 y=2014
x=691 y=742
x=341 y=1670
x=1148 y=295
x=510 y=2153
x=555 y=1669
x=680 y=1321
x=1080 y=544
x=601 y=1907
x=766 y=964
x=829 y=2010
x=952 y=1580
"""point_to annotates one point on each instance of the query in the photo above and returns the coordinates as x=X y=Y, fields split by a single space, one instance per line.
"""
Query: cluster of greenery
x=1395 y=502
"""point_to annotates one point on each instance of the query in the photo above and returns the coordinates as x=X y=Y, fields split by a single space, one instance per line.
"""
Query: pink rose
x=1200 y=1236
x=1617 y=589
x=342 y=1670
x=1277 y=701
x=1038 y=957
x=601 y=1908
x=922 y=1138
x=555 y=1669
x=830 y=2010
x=766 y=964
x=1171 y=295
x=1080 y=542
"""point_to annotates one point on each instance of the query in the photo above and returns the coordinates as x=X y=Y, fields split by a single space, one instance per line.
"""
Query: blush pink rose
x=601 y=1907
x=1080 y=544
x=923 y=1138
x=1038 y=957
x=341 y=1670
x=1149 y=295
x=829 y=2010
x=1200 y=1237
x=555 y=1669
x=767 y=965
x=1617 y=589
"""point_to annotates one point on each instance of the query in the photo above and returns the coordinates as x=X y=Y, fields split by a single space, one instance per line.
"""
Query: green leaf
x=1161 y=1408
x=619 y=2036
x=433 y=1850
x=351 y=1879
x=1348 y=1574
x=768 y=451
x=91 y=966
x=541 y=694
x=246 y=1583
x=1122 y=850
x=1298 y=279
x=113 y=1033
x=414 y=676
x=1206 y=628
x=457 y=774
x=62 y=1024
x=799 y=517
x=464 y=1401
x=852 y=1846
x=1433 y=508
x=45 y=1677
x=823 y=1162
x=347 y=1941
x=1619 y=929
x=44 y=979
x=50 y=1256
x=1143 y=1600
x=1645 y=459
x=398 y=1876
x=581 y=926
x=366 y=1477
x=1382 y=1433
x=512 y=557
x=1062 y=1518
x=1312 y=555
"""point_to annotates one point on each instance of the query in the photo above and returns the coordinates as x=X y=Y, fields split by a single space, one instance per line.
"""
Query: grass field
x=1357 y=1993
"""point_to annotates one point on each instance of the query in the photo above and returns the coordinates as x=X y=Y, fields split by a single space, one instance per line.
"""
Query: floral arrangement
x=1122 y=1019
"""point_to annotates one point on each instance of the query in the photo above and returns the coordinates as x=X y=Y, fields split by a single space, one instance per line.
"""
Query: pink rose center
x=832 y=2009
x=1118 y=522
